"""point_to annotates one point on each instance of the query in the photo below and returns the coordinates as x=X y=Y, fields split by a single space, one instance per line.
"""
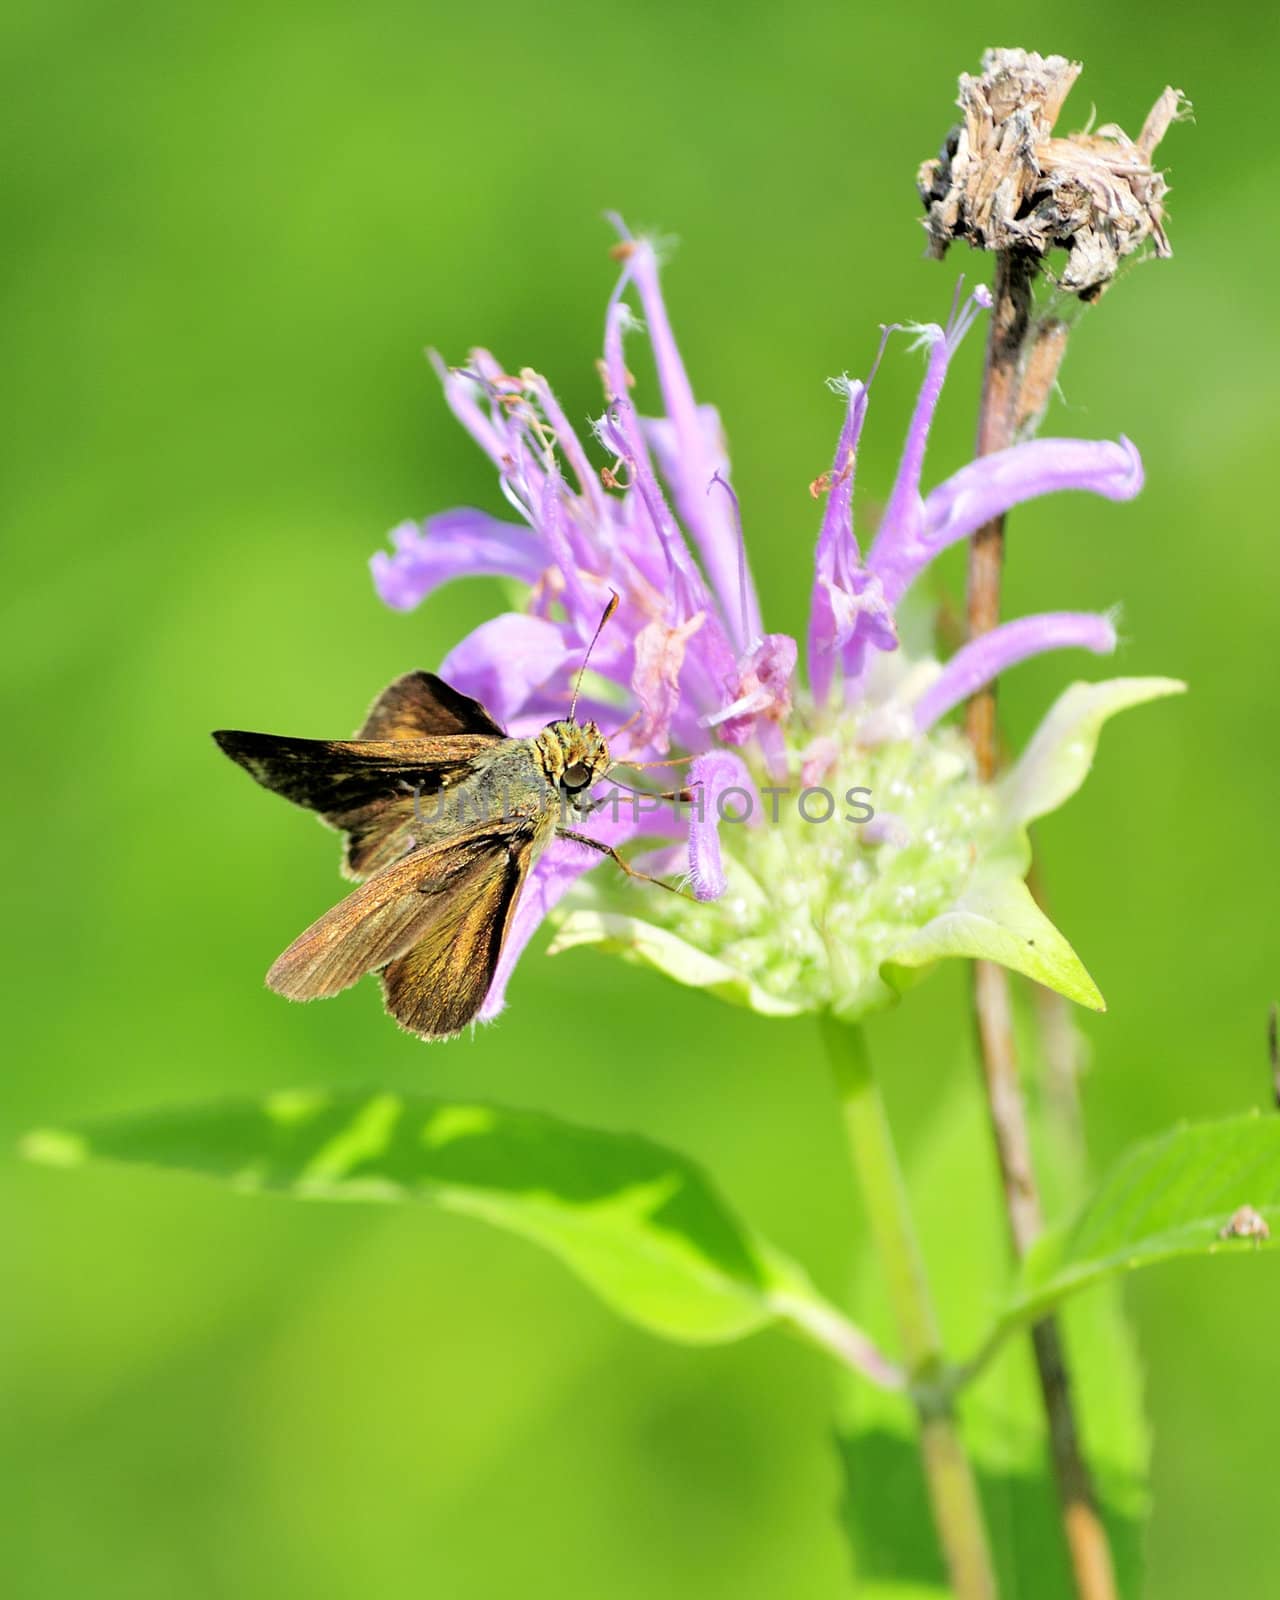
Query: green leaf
x=1057 y=761
x=996 y=919
x=652 y=946
x=1171 y=1196
x=640 y=1224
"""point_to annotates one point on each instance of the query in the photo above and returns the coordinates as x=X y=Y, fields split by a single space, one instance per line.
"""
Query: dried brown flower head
x=1005 y=182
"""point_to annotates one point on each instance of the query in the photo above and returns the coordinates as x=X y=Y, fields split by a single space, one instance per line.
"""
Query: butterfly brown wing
x=421 y=704
x=438 y=986
x=365 y=788
x=420 y=737
x=454 y=898
x=339 y=777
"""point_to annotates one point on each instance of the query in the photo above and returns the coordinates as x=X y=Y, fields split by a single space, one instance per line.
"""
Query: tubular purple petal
x=760 y=690
x=748 y=629
x=550 y=704
x=460 y=392
x=983 y=659
x=836 y=559
x=836 y=536
x=622 y=432
x=773 y=747
x=583 y=600
x=455 y=544
x=711 y=777
x=655 y=680
x=571 y=448
x=904 y=514
x=993 y=484
x=904 y=499
x=694 y=455
x=687 y=594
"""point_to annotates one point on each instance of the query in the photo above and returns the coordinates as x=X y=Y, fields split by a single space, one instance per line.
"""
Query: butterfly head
x=574 y=756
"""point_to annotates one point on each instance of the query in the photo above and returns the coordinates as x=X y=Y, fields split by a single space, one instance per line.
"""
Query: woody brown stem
x=1021 y=366
x=997 y=428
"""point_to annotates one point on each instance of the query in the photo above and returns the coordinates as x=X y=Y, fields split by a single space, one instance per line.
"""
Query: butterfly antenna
x=577 y=688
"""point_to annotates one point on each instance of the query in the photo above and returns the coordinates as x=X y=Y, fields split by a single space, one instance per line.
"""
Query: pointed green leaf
x=640 y=1224
x=1175 y=1195
x=996 y=919
x=652 y=946
x=1057 y=761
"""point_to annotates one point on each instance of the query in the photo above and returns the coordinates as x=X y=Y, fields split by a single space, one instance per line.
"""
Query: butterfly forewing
x=419 y=737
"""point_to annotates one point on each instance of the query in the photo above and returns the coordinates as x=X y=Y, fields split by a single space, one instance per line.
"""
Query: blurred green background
x=232 y=231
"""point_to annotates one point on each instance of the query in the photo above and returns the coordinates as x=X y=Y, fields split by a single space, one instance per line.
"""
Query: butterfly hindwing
x=421 y=704
x=433 y=922
x=438 y=986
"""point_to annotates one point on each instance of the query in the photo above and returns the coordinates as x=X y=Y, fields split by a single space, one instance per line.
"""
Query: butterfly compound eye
x=578 y=776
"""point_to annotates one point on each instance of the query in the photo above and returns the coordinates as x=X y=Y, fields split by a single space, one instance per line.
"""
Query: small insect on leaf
x=1245 y=1224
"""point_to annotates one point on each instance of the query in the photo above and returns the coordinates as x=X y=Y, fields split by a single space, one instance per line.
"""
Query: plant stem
x=953 y=1490
x=997 y=425
x=843 y=1340
x=1021 y=366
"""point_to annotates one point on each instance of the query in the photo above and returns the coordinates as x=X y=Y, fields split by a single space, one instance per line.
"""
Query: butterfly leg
x=631 y=872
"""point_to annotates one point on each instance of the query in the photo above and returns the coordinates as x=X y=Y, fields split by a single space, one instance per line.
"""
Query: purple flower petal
x=571 y=449
x=552 y=705
x=983 y=659
x=456 y=544
x=508 y=659
x=583 y=598
x=691 y=451
x=901 y=511
x=761 y=690
x=461 y=393
x=904 y=514
x=993 y=484
x=773 y=747
x=659 y=661
x=619 y=430
x=498 y=413
x=710 y=662
x=836 y=560
x=713 y=777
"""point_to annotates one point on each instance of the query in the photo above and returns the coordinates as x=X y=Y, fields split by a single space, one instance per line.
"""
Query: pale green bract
x=845 y=916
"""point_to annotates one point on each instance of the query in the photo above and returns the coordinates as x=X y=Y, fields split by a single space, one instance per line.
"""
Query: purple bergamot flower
x=839 y=840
